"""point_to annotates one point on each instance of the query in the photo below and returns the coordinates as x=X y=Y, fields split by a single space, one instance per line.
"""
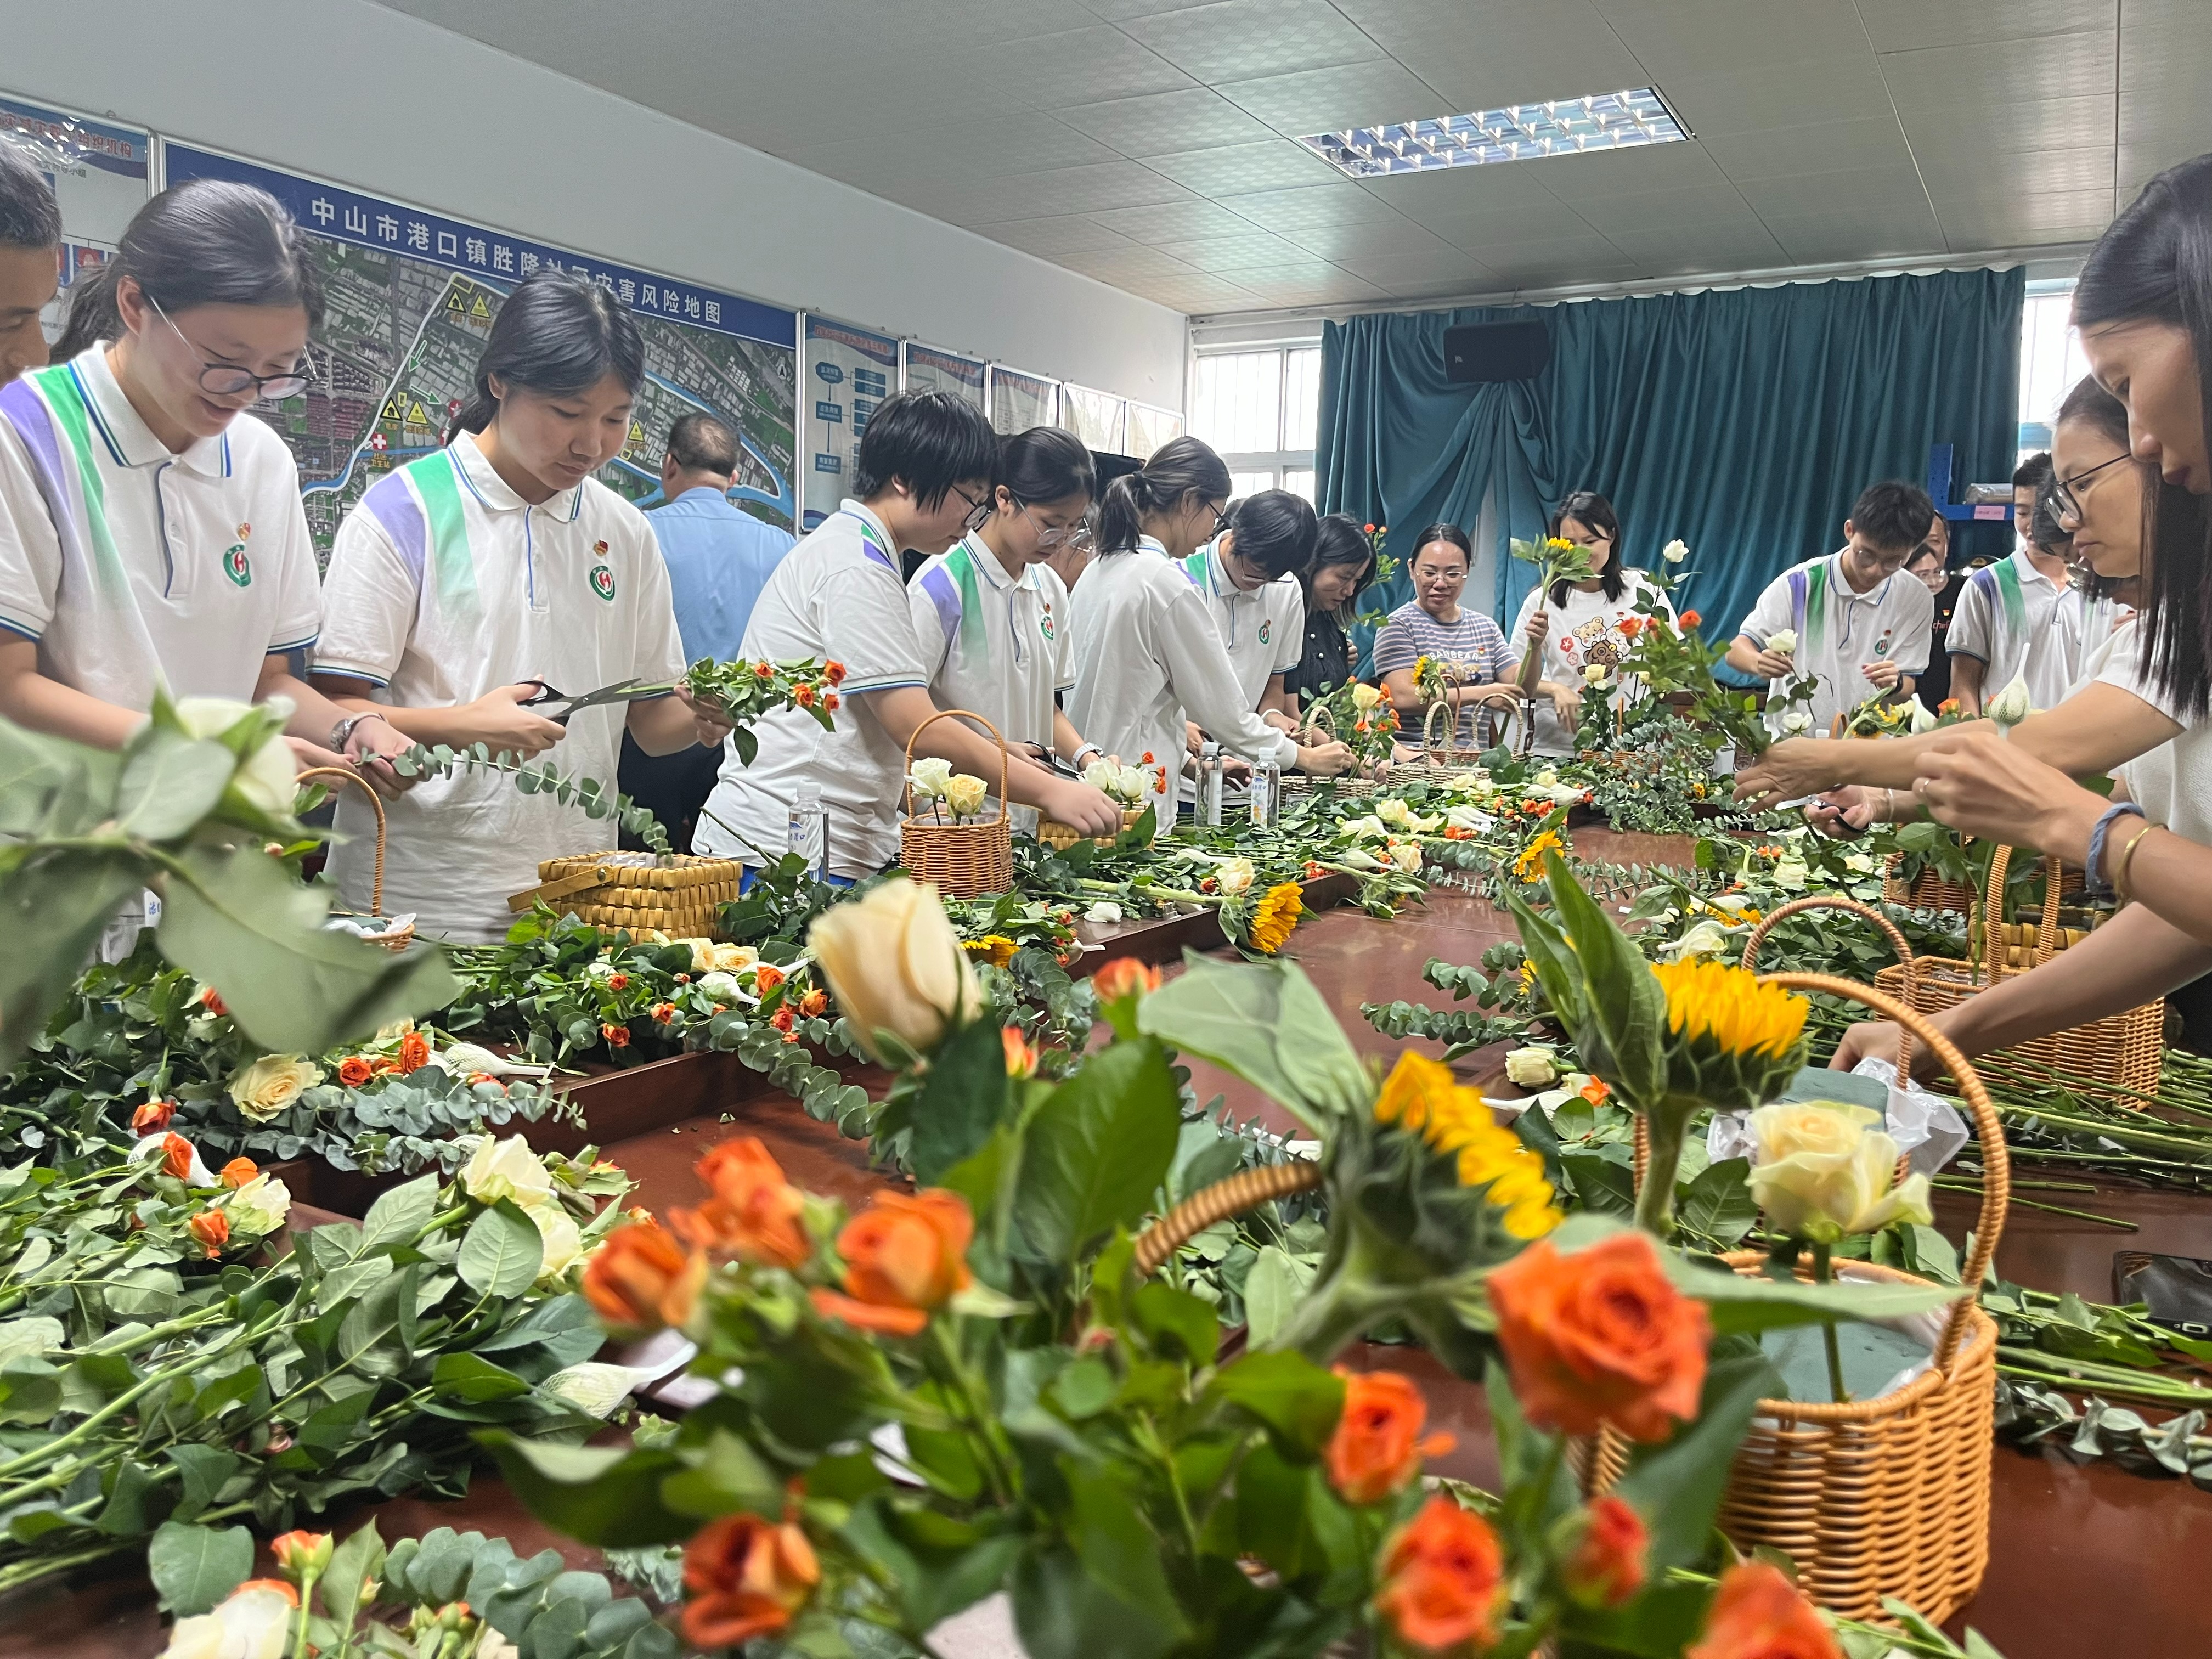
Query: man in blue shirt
x=719 y=558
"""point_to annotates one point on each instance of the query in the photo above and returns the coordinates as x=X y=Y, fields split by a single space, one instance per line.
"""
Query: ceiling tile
x=1124 y=263
x=1472 y=290
x=1396 y=234
x=1228 y=169
x=1115 y=12
x=1338 y=287
x=1500 y=225
x=1672 y=251
x=1303 y=269
x=1958 y=128
x=1676 y=38
x=2183 y=126
x=1464 y=189
x=2164 y=47
x=1716 y=205
x=1165 y=121
x=1021 y=141
x=1104 y=62
x=1822 y=238
x=1285 y=210
x=1196 y=294
x=1603 y=174
x=1339 y=99
x=1871 y=141
x=2026 y=220
x=2009 y=72
x=1394 y=271
x=1173 y=221
x=1065 y=234
x=1239 y=40
x=1483 y=54
x=1557 y=259
x=1996 y=174
x=1253 y=247
x=1908 y=24
x=1049 y=194
x=2140 y=163
x=1874 y=189
x=1716 y=102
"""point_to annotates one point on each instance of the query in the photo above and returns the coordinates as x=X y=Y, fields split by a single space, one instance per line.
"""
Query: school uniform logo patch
x=603 y=580
x=1044 y=623
x=1266 y=627
x=236 y=566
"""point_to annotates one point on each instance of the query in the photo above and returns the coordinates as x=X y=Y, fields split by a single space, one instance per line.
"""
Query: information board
x=100 y=173
x=1093 y=416
x=1020 y=401
x=849 y=371
x=929 y=369
x=1145 y=428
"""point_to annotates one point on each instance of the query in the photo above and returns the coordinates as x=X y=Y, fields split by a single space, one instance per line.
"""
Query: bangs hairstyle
x=1892 y=513
x=206 y=243
x=2030 y=472
x=1337 y=541
x=1177 y=469
x=557 y=335
x=1045 y=464
x=1587 y=507
x=2089 y=404
x=29 y=217
x=927 y=441
x=1275 y=532
x=703 y=443
x=2154 y=265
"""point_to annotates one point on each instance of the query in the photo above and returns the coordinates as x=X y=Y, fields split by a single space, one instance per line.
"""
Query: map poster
x=928 y=369
x=1020 y=401
x=1093 y=416
x=1146 y=428
x=848 y=372
x=99 y=175
x=409 y=299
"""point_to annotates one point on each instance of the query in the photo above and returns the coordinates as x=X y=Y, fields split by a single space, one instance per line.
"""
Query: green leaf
x=1266 y=1023
x=350 y=1580
x=53 y=908
x=1719 y=1204
x=1676 y=1490
x=1738 y=1304
x=1176 y=1321
x=469 y=1378
x=1271 y=1288
x=170 y=783
x=962 y=1099
x=397 y=1215
x=728 y=1476
x=195 y=1567
x=1300 y=1400
x=1625 y=1005
x=599 y=1495
x=1095 y=1154
x=503 y=1252
x=205 y=1470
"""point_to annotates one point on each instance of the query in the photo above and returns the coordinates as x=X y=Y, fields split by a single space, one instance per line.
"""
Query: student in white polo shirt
x=1862 y=624
x=474 y=579
x=1149 y=656
x=991 y=614
x=2013 y=620
x=151 y=532
x=924 y=473
x=1249 y=576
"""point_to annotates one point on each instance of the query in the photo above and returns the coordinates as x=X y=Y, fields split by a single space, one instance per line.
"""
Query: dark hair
x=2154 y=265
x=1178 y=469
x=557 y=334
x=703 y=443
x=2045 y=533
x=1443 y=532
x=1587 y=506
x=206 y=243
x=1920 y=552
x=2090 y=404
x=1892 y=513
x=1275 y=532
x=1337 y=541
x=1045 y=464
x=29 y=217
x=931 y=441
x=2030 y=472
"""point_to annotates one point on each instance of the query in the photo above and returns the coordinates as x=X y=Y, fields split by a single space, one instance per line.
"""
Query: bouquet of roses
x=743 y=691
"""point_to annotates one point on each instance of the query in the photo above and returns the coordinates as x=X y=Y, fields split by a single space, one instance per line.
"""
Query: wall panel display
x=100 y=173
x=928 y=369
x=1146 y=428
x=848 y=372
x=411 y=298
x=1020 y=401
x=1093 y=416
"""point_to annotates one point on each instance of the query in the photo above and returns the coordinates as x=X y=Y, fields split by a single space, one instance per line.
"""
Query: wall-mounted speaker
x=1478 y=352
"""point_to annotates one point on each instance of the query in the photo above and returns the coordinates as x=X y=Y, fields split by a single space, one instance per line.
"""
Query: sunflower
x=1709 y=1002
x=994 y=948
x=1276 y=916
x=1421 y=1097
x=1529 y=866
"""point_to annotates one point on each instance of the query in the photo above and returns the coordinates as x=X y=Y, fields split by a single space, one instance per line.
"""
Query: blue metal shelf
x=1939 y=491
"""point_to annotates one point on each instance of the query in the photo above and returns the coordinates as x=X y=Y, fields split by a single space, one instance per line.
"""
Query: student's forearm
x=662 y=725
x=1067 y=741
x=452 y=725
x=1743 y=656
x=1966 y=683
x=39 y=704
x=904 y=712
x=314 y=715
x=2132 y=959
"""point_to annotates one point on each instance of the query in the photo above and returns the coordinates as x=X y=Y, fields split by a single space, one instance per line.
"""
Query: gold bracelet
x=2126 y=858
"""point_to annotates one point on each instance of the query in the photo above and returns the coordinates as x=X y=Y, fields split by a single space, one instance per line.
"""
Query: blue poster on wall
x=850 y=370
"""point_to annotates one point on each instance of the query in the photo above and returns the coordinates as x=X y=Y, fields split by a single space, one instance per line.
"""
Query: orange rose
x=619 y=982
x=640 y=1280
x=211 y=1002
x=153 y=1117
x=1377 y=1448
x=1021 y=1058
x=1608 y=1563
x=1443 y=1579
x=754 y=1213
x=830 y=702
x=803 y=694
x=834 y=671
x=766 y=978
x=177 y=1156
x=413 y=1052
x=763 y=671
x=1599 y=1336
x=240 y=1170
x=744 y=1577
x=903 y=1256
x=663 y=1012
x=1125 y=976
x=212 y=1229
x=1691 y=619
x=814 y=1003
x=1595 y=1091
x=1759 y=1614
x=299 y=1554
x=1631 y=626
x=354 y=1070
x=617 y=1036
x=276 y=1584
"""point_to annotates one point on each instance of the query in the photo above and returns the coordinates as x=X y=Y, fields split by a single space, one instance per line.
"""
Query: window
x=2050 y=361
x=1258 y=409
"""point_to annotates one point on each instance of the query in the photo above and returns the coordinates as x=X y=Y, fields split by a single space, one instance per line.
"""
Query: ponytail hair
x=557 y=333
x=208 y=242
x=1177 y=469
x=1045 y=464
x=1275 y=532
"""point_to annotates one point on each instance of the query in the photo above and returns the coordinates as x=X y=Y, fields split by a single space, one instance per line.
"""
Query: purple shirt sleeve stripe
x=22 y=409
x=393 y=505
x=944 y=596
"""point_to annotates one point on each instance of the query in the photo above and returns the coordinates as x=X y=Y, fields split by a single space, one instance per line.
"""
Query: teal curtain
x=1743 y=423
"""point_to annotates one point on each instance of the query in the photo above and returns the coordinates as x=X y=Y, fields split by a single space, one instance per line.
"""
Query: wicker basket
x=677 y=894
x=961 y=861
x=1887 y=1497
x=2122 y=1050
x=1929 y=891
x=1356 y=785
x=1445 y=753
x=392 y=939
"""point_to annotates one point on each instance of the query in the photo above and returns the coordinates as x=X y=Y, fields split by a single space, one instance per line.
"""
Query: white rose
x=722 y=988
x=1104 y=776
x=1532 y=1068
x=270 y=1085
x=1921 y=719
x=2011 y=706
x=1597 y=673
x=1366 y=829
x=1859 y=864
x=1391 y=809
x=266 y=778
x=1136 y=784
x=1782 y=641
x=1407 y=856
x=1706 y=939
x=1104 y=911
x=557 y=1233
x=395 y=1031
x=730 y=958
x=1793 y=875
x=251 y=1624
x=506 y=1169
x=929 y=778
x=1546 y=778
x=964 y=794
x=894 y=964
x=1797 y=721
x=1234 y=875
x=702 y=952
x=259 y=1206
x=1823 y=1172
x=1674 y=552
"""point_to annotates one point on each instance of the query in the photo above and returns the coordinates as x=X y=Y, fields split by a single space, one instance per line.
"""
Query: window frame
x=1279 y=461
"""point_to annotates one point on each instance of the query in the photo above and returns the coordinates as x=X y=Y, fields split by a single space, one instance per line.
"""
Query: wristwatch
x=1091 y=748
x=341 y=733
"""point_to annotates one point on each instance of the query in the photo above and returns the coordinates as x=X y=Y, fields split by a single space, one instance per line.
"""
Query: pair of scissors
x=628 y=691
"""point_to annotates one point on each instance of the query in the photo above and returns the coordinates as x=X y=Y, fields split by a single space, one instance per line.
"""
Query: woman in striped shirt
x=1433 y=624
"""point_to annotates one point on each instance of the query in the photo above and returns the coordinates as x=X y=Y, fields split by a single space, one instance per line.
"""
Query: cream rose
x=1675 y=551
x=1793 y=875
x=1597 y=673
x=259 y=1206
x=722 y=988
x=1393 y=810
x=1796 y=721
x=266 y=778
x=1782 y=641
x=506 y=1169
x=270 y=1085
x=1407 y=856
x=1532 y=1068
x=964 y=794
x=894 y=964
x=1706 y=939
x=928 y=778
x=1371 y=827
x=252 y=1624
x=1234 y=875
x=1104 y=911
x=1365 y=698
x=557 y=1233
x=1824 y=1171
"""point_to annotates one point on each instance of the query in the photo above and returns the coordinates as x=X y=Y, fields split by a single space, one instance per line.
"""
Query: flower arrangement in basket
x=973 y=854
x=982 y=1388
x=1129 y=787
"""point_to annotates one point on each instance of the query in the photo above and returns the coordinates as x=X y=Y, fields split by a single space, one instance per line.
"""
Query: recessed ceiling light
x=1523 y=132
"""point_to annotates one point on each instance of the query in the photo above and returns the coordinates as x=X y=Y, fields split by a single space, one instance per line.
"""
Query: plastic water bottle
x=1266 y=793
x=1209 y=781
x=810 y=830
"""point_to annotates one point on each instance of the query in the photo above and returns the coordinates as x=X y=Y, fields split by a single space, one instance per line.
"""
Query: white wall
x=386 y=103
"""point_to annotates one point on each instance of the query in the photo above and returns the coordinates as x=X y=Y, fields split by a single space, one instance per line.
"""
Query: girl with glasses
x=1433 y=624
x=1576 y=626
x=151 y=532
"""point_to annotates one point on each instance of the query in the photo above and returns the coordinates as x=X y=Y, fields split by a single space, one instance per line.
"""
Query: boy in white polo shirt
x=924 y=473
x=1860 y=625
x=2013 y=620
x=1249 y=576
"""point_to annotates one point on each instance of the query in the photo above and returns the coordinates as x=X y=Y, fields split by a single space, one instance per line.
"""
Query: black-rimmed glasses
x=228 y=380
x=2064 y=501
x=978 y=511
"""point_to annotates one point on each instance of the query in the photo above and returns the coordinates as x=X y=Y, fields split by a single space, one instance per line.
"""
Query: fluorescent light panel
x=1523 y=132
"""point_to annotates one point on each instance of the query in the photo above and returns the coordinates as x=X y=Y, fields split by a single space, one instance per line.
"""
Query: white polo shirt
x=2172 y=783
x=998 y=644
x=836 y=597
x=1147 y=652
x=2010 y=619
x=444 y=585
x=2091 y=629
x=1264 y=630
x=131 y=565
x=1837 y=629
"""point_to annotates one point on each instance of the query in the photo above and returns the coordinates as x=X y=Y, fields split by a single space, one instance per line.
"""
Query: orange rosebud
x=1146 y=759
x=617 y=1036
x=744 y=1577
x=1629 y=626
x=802 y=695
x=1758 y=1614
x=1314 y=872
x=619 y=982
x=1368 y=528
x=753 y=1213
x=208 y=1000
x=299 y=1553
x=1691 y=619
x=640 y=1279
x=763 y=671
x=1443 y=1579
x=766 y=978
x=783 y=1019
x=1376 y=1447
x=354 y=1070
x=153 y=1117
x=212 y=1229
x=1021 y=1058
x=663 y=1012
x=177 y=1156
x=814 y=1003
x=903 y=1256
x=276 y=1584
x=413 y=1052
x=240 y=1170
x=1600 y=1337
x=1125 y=976
x=1595 y=1091
x=834 y=671
x=1609 y=1561
x=830 y=702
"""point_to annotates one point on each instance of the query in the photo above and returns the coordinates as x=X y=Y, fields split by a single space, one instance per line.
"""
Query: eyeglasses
x=1220 y=522
x=1061 y=535
x=2063 y=500
x=978 y=511
x=228 y=381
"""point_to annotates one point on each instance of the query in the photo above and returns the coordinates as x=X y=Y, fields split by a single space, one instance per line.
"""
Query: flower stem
x=1655 y=1200
x=1823 y=1271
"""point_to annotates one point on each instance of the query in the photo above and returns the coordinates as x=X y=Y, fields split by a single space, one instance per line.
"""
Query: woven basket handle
x=336 y=775
x=1429 y=741
x=1319 y=719
x=1993 y=945
x=959 y=714
x=1239 y=1193
x=1838 y=902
